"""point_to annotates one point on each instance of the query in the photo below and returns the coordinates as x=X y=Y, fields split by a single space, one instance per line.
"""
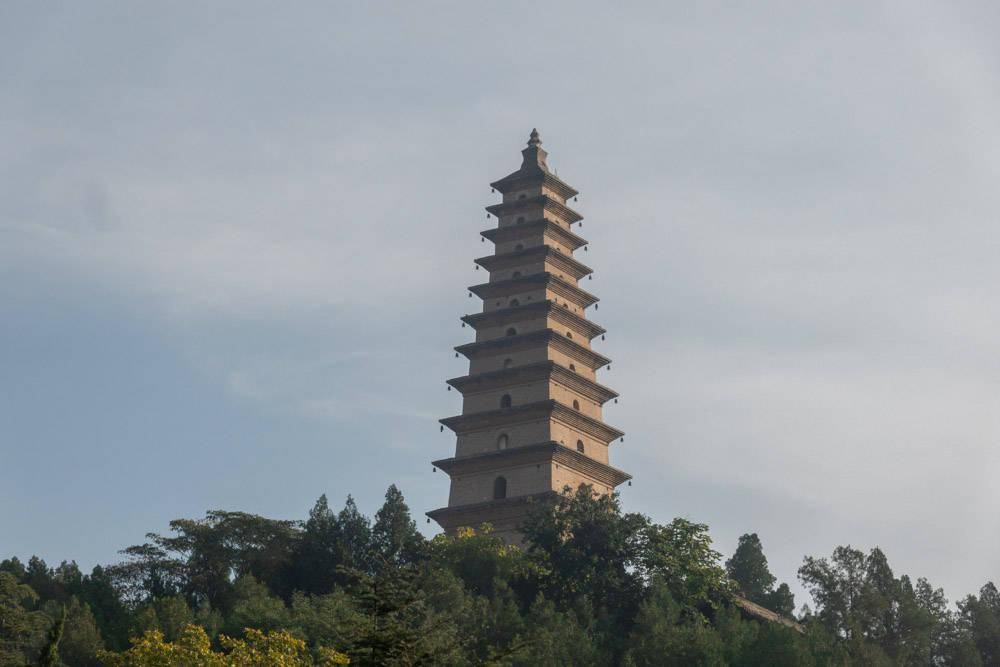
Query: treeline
x=594 y=586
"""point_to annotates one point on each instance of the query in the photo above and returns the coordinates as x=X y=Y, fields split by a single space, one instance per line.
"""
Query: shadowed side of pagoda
x=531 y=421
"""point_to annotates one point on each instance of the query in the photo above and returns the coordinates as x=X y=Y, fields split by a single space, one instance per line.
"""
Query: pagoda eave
x=548 y=203
x=533 y=339
x=548 y=307
x=561 y=260
x=543 y=370
x=549 y=280
x=546 y=179
x=501 y=511
x=535 y=453
x=525 y=229
x=546 y=409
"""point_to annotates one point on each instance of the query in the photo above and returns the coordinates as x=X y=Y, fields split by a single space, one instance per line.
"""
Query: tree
x=319 y=551
x=50 y=652
x=835 y=586
x=14 y=567
x=80 y=639
x=402 y=627
x=748 y=568
x=335 y=619
x=194 y=648
x=781 y=600
x=205 y=556
x=395 y=538
x=554 y=637
x=879 y=618
x=588 y=553
x=168 y=615
x=255 y=607
x=21 y=629
x=980 y=618
x=98 y=592
x=664 y=635
x=680 y=555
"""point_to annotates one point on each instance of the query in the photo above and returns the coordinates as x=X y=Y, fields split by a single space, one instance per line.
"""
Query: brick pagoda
x=531 y=421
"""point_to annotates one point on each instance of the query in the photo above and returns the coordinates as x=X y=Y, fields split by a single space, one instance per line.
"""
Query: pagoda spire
x=532 y=409
x=533 y=157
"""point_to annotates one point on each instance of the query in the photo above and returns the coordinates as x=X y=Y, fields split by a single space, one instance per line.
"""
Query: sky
x=235 y=240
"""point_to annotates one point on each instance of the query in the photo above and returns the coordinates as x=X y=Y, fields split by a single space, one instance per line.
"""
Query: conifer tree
x=748 y=568
x=394 y=536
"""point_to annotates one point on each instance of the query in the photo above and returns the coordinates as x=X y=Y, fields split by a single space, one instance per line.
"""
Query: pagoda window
x=512 y=331
x=500 y=488
x=579 y=446
x=576 y=404
x=505 y=402
x=507 y=363
x=514 y=302
x=503 y=440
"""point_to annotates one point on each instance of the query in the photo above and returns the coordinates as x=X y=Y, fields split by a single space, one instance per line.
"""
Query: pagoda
x=531 y=422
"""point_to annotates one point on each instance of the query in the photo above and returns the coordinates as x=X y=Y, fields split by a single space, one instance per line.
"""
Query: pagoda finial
x=534 y=139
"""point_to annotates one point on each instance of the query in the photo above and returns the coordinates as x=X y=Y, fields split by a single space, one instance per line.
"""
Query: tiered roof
x=539 y=366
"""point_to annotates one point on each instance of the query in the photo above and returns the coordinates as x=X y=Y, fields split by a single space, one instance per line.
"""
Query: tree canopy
x=593 y=585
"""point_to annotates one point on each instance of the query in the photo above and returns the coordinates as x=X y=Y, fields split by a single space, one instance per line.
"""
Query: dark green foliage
x=748 y=569
x=664 y=635
x=167 y=614
x=594 y=586
x=980 y=617
x=880 y=619
x=394 y=537
x=22 y=630
x=49 y=656
x=79 y=639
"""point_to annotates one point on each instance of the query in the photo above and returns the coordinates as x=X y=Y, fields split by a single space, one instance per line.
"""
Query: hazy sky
x=234 y=242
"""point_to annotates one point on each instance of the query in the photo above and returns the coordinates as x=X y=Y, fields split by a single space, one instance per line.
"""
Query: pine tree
x=748 y=568
x=394 y=535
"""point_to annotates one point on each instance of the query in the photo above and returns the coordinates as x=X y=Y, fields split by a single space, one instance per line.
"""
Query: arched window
x=514 y=302
x=520 y=219
x=512 y=331
x=519 y=246
x=507 y=363
x=499 y=488
x=579 y=446
x=503 y=440
x=516 y=274
x=576 y=404
x=505 y=401
x=572 y=367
